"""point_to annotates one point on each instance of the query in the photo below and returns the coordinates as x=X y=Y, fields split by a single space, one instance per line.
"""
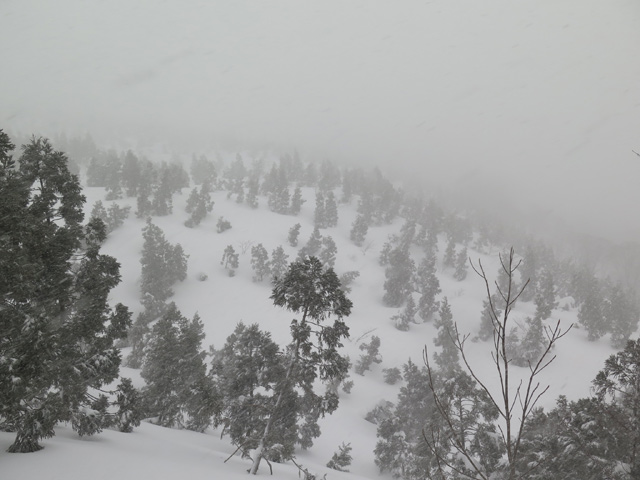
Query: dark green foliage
x=174 y=368
x=407 y=316
x=163 y=264
x=320 y=216
x=230 y=260
x=314 y=292
x=398 y=277
x=371 y=355
x=450 y=253
x=246 y=372
x=392 y=375
x=545 y=297
x=260 y=263
x=342 y=458
x=461 y=265
x=57 y=330
x=448 y=357
x=199 y=205
x=296 y=202
x=203 y=170
x=278 y=263
x=313 y=245
x=328 y=253
x=330 y=210
x=294 y=233
x=347 y=278
x=222 y=225
x=359 y=230
x=112 y=218
x=429 y=287
x=129 y=403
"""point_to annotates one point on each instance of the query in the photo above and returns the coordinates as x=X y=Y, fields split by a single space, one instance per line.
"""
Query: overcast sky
x=542 y=96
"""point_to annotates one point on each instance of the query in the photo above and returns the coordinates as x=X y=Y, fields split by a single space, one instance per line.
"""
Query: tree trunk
x=25 y=443
x=267 y=429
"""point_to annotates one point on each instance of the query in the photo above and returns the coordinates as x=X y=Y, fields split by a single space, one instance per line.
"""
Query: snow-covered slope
x=222 y=301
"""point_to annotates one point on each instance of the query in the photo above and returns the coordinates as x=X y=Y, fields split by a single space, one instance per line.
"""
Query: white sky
x=541 y=95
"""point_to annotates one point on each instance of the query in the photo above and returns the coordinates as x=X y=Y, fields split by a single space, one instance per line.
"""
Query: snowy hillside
x=223 y=301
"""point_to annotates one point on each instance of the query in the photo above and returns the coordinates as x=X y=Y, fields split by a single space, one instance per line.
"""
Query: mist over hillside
x=320 y=240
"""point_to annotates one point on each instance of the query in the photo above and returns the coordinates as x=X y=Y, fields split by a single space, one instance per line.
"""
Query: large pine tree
x=57 y=331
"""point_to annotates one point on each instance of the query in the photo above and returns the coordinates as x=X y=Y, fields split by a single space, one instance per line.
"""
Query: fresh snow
x=222 y=301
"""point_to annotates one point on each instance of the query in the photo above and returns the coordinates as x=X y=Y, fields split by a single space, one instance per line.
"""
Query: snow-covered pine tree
x=359 y=230
x=342 y=458
x=371 y=355
x=279 y=263
x=260 y=263
x=461 y=265
x=230 y=260
x=330 y=210
x=246 y=371
x=294 y=234
x=173 y=366
x=398 y=277
x=407 y=316
x=58 y=337
x=296 y=202
x=329 y=251
x=315 y=292
x=428 y=285
x=163 y=264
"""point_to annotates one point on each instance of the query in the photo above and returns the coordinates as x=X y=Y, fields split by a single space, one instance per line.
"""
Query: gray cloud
x=534 y=102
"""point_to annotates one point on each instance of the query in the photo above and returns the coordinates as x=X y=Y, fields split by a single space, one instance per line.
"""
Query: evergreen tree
x=359 y=230
x=404 y=319
x=371 y=355
x=173 y=366
x=330 y=210
x=260 y=263
x=461 y=265
x=450 y=253
x=246 y=372
x=429 y=287
x=342 y=458
x=278 y=263
x=448 y=357
x=222 y=225
x=398 y=277
x=617 y=387
x=532 y=345
x=296 y=202
x=129 y=403
x=487 y=321
x=314 y=292
x=590 y=314
x=545 y=297
x=294 y=233
x=203 y=170
x=320 y=215
x=116 y=216
x=313 y=245
x=131 y=174
x=200 y=206
x=57 y=338
x=230 y=260
x=621 y=315
x=253 y=189
x=163 y=264
x=328 y=253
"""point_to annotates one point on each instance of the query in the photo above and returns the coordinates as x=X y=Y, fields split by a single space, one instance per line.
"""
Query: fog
x=532 y=103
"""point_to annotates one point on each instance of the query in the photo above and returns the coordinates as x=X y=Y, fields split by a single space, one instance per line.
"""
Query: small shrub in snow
x=392 y=375
x=223 y=225
x=341 y=459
